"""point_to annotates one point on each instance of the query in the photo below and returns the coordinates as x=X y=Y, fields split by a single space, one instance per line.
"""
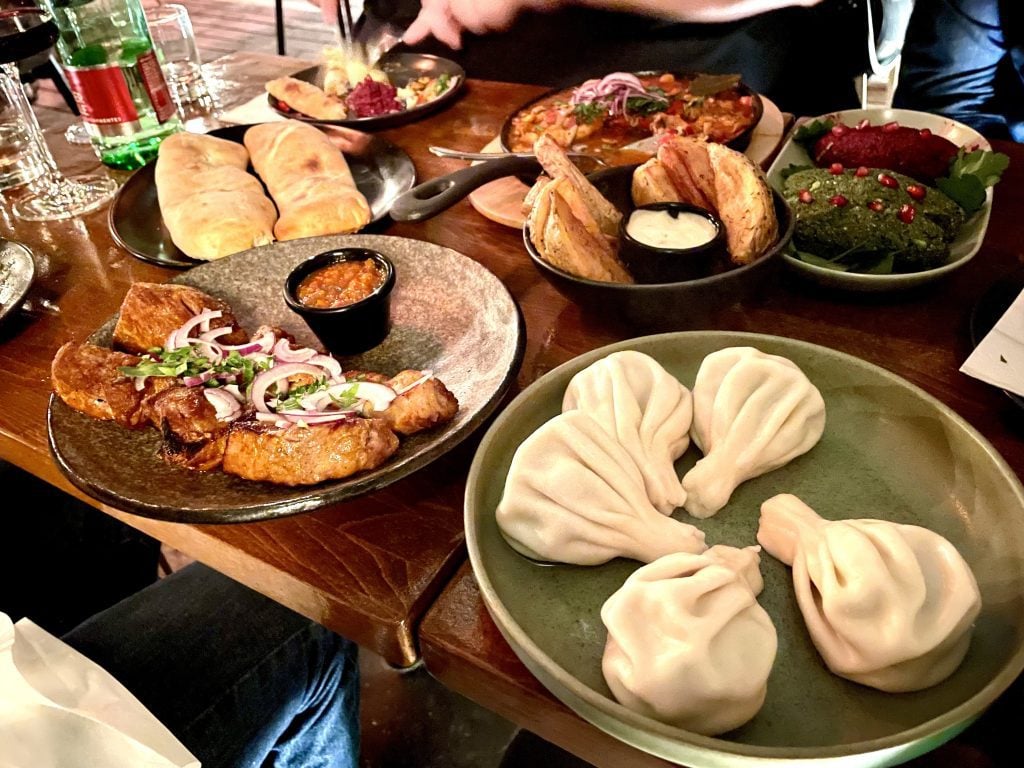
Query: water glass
x=175 y=43
x=20 y=161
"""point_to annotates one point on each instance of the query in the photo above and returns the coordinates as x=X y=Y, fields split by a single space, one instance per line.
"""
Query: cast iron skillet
x=382 y=172
x=740 y=143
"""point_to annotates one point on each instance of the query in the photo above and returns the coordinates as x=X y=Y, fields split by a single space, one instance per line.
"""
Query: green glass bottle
x=108 y=60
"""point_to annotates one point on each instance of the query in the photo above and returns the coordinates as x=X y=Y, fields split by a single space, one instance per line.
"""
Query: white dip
x=662 y=229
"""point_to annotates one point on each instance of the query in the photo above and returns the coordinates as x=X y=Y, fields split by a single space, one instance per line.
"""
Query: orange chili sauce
x=340 y=284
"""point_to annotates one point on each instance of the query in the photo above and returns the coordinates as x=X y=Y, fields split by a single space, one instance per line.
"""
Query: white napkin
x=999 y=358
x=255 y=110
x=60 y=710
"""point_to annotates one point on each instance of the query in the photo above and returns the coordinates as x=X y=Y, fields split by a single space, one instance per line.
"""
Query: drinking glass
x=25 y=30
x=176 y=48
x=20 y=162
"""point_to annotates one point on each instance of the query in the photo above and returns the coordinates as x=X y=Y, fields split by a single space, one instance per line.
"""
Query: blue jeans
x=238 y=678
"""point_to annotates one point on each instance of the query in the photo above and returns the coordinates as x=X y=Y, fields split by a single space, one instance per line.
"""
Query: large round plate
x=965 y=245
x=382 y=171
x=400 y=69
x=889 y=451
x=17 y=270
x=449 y=314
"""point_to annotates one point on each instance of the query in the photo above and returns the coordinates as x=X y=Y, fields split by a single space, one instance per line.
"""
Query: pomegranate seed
x=906 y=213
x=888 y=181
x=925 y=132
x=876 y=205
x=838 y=201
x=890 y=127
x=839 y=129
x=805 y=196
x=917 y=191
x=863 y=124
x=836 y=169
x=861 y=172
x=746 y=101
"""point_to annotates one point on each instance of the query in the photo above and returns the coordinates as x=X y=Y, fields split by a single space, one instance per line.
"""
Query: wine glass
x=25 y=30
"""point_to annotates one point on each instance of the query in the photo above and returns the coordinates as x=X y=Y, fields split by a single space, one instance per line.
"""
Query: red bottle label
x=156 y=86
x=102 y=94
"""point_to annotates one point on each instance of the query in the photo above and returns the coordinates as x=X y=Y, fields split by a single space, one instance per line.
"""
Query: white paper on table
x=999 y=358
x=58 y=709
x=255 y=110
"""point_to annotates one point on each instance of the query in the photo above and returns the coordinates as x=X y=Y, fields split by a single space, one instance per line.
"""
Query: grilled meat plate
x=298 y=455
x=88 y=379
x=150 y=312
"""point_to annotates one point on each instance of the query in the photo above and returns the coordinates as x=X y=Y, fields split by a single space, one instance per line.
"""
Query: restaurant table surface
x=389 y=570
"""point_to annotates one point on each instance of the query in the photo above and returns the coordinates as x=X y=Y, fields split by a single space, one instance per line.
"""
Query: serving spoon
x=460 y=155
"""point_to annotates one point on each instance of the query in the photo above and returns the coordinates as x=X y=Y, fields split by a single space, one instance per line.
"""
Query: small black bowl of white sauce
x=668 y=242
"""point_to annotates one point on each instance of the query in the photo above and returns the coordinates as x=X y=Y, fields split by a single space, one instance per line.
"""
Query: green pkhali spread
x=870 y=222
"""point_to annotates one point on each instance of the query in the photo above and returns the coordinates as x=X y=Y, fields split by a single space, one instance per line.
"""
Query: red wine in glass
x=25 y=32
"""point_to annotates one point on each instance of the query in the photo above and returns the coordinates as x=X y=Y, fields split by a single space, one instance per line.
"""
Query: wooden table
x=371 y=568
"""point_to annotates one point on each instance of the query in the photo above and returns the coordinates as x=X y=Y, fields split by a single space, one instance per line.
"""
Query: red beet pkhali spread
x=916 y=153
x=370 y=98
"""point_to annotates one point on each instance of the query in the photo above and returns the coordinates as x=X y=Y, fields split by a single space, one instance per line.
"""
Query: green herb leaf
x=970 y=173
x=588 y=112
x=640 y=105
x=818 y=261
x=443 y=83
x=809 y=133
x=709 y=85
x=967 y=191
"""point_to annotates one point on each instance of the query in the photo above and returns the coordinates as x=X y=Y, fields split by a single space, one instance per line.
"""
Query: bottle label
x=156 y=86
x=102 y=94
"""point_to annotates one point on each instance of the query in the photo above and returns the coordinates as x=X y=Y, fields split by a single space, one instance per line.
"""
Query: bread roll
x=209 y=204
x=306 y=98
x=308 y=179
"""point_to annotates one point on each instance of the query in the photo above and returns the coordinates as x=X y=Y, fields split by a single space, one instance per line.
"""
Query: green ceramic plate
x=889 y=451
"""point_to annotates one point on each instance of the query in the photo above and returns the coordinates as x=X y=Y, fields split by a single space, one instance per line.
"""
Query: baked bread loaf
x=210 y=205
x=309 y=180
x=306 y=98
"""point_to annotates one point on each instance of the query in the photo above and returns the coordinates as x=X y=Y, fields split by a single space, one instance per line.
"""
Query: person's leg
x=238 y=678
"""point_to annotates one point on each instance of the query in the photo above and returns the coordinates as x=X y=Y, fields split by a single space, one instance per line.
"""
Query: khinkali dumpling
x=573 y=495
x=752 y=413
x=644 y=408
x=688 y=644
x=887 y=605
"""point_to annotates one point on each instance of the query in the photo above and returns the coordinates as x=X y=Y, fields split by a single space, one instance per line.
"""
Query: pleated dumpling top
x=646 y=409
x=887 y=605
x=573 y=495
x=752 y=413
x=688 y=643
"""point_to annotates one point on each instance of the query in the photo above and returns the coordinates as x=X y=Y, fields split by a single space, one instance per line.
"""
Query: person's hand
x=446 y=19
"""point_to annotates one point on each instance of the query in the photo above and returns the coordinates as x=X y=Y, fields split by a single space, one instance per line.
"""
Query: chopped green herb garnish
x=588 y=112
x=809 y=133
x=641 y=105
x=444 y=82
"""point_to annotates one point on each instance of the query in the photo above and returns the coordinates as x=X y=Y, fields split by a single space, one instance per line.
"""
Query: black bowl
x=739 y=143
x=655 y=264
x=353 y=328
x=686 y=304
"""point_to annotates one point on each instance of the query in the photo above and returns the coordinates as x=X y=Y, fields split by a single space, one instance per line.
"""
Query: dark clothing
x=965 y=59
x=804 y=60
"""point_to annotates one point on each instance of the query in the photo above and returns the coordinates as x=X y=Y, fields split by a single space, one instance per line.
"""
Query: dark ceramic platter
x=382 y=172
x=450 y=315
x=400 y=69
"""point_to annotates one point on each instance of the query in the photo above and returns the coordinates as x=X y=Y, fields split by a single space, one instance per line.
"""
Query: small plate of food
x=17 y=270
x=208 y=196
x=885 y=199
x=209 y=400
x=612 y=117
x=343 y=91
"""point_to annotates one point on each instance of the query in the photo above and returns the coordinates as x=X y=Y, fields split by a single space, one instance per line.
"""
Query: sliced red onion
x=216 y=333
x=317 y=418
x=427 y=375
x=235 y=392
x=273 y=419
x=230 y=378
x=140 y=382
x=177 y=338
x=210 y=349
x=379 y=396
x=284 y=352
x=227 y=407
x=195 y=381
x=279 y=373
x=329 y=364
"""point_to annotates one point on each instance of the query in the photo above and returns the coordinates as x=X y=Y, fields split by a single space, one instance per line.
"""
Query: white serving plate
x=968 y=240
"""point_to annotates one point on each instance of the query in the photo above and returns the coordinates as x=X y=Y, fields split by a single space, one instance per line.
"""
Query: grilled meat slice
x=193 y=435
x=86 y=377
x=151 y=311
x=426 y=405
x=307 y=455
